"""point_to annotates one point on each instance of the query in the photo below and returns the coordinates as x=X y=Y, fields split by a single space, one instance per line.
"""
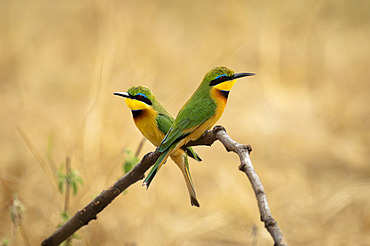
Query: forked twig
x=243 y=151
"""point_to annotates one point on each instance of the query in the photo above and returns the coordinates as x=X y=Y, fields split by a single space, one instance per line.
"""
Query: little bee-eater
x=198 y=114
x=153 y=121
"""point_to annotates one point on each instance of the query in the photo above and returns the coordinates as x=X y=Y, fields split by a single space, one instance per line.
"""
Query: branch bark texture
x=90 y=211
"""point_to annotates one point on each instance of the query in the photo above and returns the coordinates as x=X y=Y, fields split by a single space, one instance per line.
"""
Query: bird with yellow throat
x=153 y=121
x=198 y=114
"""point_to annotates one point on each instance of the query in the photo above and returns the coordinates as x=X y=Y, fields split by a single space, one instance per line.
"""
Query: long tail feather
x=157 y=165
x=191 y=153
x=184 y=166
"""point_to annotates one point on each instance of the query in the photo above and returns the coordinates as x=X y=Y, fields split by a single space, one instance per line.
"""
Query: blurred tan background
x=306 y=115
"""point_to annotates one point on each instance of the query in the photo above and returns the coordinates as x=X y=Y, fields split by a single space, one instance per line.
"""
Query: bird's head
x=223 y=78
x=137 y=97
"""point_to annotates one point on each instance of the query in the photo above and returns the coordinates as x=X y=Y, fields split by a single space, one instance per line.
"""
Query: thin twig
x=88 y=213
x=38 y=157
x=16 y=209
x=68 y=192
x=68 y=184
x=141 y=144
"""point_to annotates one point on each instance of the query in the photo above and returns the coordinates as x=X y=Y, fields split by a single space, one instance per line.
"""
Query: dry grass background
x=306 y=114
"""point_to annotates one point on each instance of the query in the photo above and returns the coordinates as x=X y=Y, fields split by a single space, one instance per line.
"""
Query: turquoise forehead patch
x=141 y=94
x=221 y=76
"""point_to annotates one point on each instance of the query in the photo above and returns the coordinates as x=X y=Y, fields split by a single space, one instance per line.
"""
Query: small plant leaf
x=130 y=161
x=5 y=242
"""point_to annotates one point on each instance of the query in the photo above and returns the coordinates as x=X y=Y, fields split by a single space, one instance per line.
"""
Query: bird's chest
x=147 y=125
x=220 y=98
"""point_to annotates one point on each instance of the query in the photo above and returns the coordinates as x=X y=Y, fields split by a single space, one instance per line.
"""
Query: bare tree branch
x=88 y=213
x=246 y=166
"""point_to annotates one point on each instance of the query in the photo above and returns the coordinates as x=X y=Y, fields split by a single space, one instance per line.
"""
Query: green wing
x=164 y=123
x=191 y=115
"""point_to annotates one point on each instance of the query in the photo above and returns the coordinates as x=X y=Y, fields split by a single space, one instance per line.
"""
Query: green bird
x=153 y=121
x=198 y=114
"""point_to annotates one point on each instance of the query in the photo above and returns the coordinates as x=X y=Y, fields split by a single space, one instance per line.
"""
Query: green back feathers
x=198 y=109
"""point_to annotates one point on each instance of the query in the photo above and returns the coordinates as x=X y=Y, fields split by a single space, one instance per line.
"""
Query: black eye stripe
x=220 y=80
x=143 y=99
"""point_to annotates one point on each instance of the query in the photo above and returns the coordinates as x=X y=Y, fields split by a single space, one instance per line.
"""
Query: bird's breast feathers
x=220 y=99
x=147 y=124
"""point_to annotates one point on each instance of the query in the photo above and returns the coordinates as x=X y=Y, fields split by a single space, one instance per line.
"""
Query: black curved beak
x=122 y=94
x=239 y=75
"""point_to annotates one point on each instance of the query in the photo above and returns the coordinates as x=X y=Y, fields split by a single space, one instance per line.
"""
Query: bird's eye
x=141 y=96
x=221 y=77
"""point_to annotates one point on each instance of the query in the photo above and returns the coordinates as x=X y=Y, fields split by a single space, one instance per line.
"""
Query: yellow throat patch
x=225 y=86
x=134 y=104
